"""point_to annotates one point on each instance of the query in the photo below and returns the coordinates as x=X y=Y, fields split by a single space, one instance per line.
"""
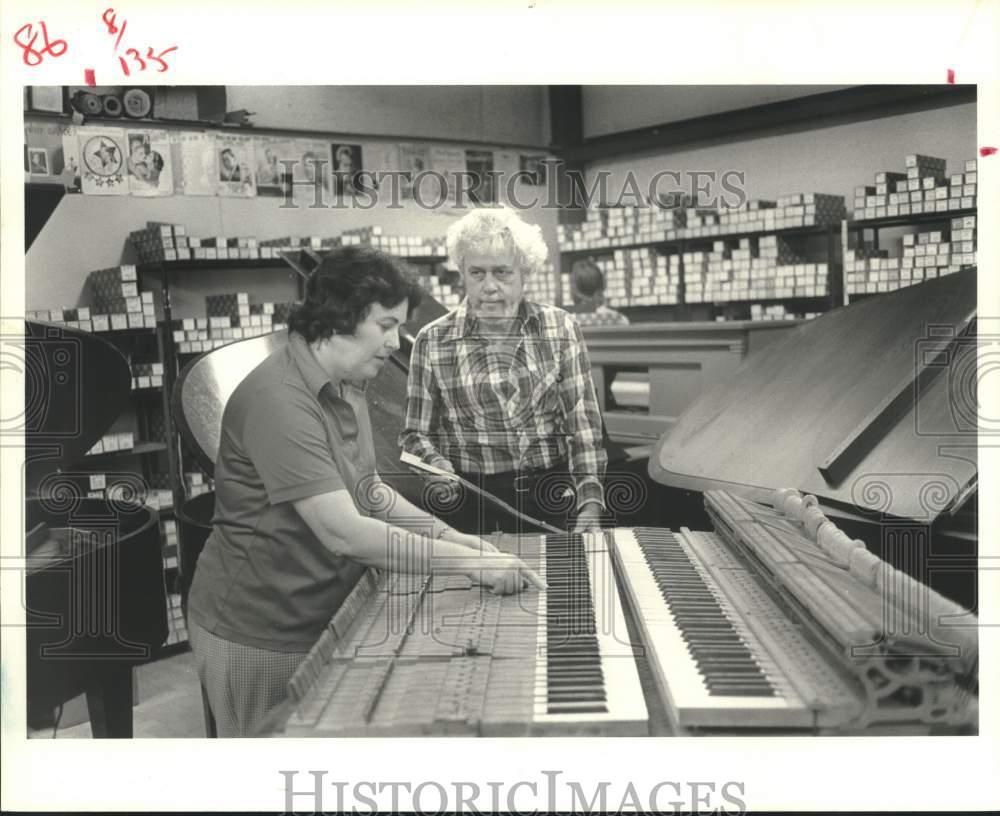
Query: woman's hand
x=505 y=574
x=479 y=545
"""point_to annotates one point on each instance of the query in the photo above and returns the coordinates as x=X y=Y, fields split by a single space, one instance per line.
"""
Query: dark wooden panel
x=793 y=404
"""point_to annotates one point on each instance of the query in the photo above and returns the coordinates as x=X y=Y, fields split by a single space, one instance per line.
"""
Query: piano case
x=95 y=598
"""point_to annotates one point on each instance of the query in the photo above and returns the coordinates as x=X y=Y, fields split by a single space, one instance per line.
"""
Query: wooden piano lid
x=872 y=406
x=75 y=386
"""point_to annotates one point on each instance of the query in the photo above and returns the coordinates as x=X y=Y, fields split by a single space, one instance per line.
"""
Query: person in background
x=588 y=296
x=500 y=390
x=300 y=508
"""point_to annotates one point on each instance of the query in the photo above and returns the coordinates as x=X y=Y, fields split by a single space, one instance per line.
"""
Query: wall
x=505 y=114
x=89 y=232
x=614 y=108
x=832 y=158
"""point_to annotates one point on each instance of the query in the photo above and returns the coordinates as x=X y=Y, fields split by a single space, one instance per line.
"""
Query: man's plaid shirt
x=492 y=408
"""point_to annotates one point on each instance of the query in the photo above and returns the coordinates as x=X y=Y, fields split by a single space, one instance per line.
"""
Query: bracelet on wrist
x=441 y=535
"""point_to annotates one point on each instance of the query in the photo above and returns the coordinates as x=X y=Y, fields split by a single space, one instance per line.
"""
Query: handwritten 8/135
x=110 y=19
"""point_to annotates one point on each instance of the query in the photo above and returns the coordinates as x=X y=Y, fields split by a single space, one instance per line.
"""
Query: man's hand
x=505 y=574
x=589 y=519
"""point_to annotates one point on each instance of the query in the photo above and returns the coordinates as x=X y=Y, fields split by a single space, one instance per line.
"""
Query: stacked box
x=541 y=286
x=116 y=301
x=77 y=317
x=159 y=498
x=638 y=277
x=160 y=242
x=758 y=269
x=230 y=317
x=224 y=305
x=788 y=212
x=177 y=632
x=196 y=483
x=170 y=242
x=168 y=531
x=147 y=375
x=159 y=493
x=112 y=442
x=447 y=294
x=925 y=255
x=778 y=311
x=156 y=422
x=924 y=188
x=609 y=227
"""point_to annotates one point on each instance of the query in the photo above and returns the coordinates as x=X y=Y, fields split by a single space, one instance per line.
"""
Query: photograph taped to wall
x=414 y=162
x=197 y=163
x=150 y=163
x=273 y=177
x=38 y=161
x=534 y=169
x=347 y=164
x=312 y=156
x=480 y=164
x=236 y=166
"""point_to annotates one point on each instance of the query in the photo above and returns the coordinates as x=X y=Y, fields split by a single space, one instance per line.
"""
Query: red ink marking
x=33 y=56
x=88 y=77
x=951 y=77
x=987 y=151
x=159 y=59
x=110 y=19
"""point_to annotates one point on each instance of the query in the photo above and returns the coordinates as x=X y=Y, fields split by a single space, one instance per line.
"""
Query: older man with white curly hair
x=500 y=390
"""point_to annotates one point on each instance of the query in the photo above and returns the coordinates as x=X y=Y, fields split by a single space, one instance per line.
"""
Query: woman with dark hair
x=300 y=509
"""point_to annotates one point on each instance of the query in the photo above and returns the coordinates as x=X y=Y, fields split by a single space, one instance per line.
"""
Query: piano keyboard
x=717 y=643
x=428 y=655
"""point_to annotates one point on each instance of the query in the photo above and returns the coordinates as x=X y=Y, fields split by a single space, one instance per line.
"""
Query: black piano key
x=574 y=678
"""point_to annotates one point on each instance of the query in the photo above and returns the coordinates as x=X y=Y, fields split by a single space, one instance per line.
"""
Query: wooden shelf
x=910 y=220
x=195 y=265
x=142 y=449
x=123 y=334
x=677 y=242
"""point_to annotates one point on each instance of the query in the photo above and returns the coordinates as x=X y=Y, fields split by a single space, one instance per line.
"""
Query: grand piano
x=95 y=602
x=797 y=555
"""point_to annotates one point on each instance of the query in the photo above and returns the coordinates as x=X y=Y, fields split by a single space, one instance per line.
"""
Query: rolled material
x=112 y=105
x=87 y=103
x=137 y=103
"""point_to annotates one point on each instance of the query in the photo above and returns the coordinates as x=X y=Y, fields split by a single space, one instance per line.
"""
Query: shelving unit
x=164 y=273
x=150 y=455
x=860 y=227
x=700 y=311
